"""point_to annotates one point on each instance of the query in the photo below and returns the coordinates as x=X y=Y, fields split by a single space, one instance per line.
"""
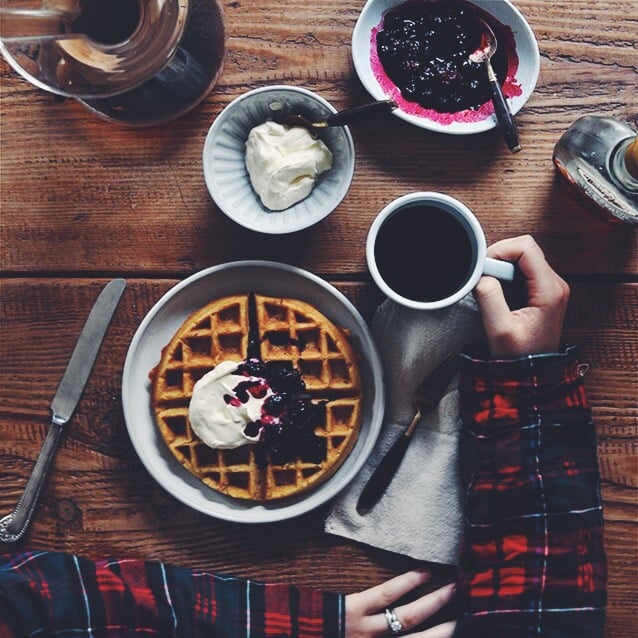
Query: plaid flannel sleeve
x=49 y=593
x=533 y=561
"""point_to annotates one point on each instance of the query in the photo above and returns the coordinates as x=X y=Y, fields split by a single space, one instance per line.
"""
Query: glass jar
x=599 y=156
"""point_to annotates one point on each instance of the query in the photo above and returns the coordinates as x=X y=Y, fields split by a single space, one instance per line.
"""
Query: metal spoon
x=501 y=109
x=341 y=118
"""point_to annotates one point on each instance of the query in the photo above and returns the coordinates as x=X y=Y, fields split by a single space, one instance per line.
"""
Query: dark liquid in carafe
x=108 y=21
x=424 y=253
x=183 y=82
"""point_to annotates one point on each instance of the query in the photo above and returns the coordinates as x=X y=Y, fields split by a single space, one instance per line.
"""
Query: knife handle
x=382 y=475
x=14 y=525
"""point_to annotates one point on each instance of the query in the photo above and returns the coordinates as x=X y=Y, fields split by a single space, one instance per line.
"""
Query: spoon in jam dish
x=483 y=55
x=341 y=118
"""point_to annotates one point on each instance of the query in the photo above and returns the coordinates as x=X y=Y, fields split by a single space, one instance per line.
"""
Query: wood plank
x=101 y=500
x=82 y=200
x=106 y=196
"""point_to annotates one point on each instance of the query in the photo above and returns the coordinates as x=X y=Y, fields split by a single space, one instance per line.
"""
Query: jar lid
x=631 y=158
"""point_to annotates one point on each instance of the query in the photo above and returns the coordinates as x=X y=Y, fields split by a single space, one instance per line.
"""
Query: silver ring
x=393 y=622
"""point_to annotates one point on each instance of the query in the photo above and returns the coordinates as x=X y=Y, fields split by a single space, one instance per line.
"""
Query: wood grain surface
x=83 y=200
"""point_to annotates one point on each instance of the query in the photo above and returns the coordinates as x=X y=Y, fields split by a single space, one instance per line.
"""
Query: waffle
x=247 y=326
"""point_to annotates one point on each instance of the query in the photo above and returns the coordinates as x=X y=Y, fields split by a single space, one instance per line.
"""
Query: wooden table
x=84 y=201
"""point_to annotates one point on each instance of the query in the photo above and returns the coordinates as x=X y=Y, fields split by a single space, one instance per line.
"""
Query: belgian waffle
x=246 y=326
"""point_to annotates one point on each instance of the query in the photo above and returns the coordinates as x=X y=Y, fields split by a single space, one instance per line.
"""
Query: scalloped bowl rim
x=296 y=217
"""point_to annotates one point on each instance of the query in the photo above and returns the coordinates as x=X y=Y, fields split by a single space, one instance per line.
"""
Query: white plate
x=159 y=326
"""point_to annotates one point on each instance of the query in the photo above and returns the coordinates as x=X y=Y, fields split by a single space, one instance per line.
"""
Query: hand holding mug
x=535 y=328
x=427 y=250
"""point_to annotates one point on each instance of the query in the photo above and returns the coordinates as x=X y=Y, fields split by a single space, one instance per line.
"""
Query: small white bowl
x=503 y=12
x=225 y=169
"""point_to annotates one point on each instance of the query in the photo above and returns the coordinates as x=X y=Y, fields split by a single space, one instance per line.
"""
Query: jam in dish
x=424 y=49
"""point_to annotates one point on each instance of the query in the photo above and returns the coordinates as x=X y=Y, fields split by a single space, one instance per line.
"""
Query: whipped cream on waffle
x=226 y=408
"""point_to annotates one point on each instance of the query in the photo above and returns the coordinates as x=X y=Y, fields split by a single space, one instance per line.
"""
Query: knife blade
x=70 y=390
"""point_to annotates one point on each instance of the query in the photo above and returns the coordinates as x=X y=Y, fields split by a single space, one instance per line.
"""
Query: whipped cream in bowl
x=300 y=189
x=284 y=163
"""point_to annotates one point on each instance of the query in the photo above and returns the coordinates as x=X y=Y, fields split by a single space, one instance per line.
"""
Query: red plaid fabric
x=48 y=593
x=533 y=562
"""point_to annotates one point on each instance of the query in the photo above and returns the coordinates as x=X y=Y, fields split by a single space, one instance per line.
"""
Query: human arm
x=45 y=592
x=533 y=561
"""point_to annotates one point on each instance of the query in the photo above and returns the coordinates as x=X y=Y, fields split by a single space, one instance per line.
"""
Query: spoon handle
x=502 y=111
x=350 y=115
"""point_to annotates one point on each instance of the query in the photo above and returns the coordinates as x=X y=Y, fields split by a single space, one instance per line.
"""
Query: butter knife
x=425 y=398
x=14 y=525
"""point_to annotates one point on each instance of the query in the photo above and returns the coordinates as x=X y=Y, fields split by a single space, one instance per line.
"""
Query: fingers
x=520 y=248
x=365 y=610
x=535 y=328
x=544 y=286
x=543 y=283
x=446 y=630
x=383 y=595
x=418 y=611
x=492 y=304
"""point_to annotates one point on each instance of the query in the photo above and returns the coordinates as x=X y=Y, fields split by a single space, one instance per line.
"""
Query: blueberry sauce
x=420 y=56
x=288 y=421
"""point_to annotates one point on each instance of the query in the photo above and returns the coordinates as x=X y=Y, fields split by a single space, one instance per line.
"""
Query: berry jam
x=420 y=56
x=290 y=421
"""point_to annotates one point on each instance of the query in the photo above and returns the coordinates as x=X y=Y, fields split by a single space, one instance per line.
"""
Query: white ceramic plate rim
x=160 y=324
x=268 y=222
x=370 y=17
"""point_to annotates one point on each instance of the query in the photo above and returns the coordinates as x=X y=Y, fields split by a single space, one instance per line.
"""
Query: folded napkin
x=419 y=515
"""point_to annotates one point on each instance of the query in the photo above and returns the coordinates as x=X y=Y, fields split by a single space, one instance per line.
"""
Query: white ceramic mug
x=427 y=250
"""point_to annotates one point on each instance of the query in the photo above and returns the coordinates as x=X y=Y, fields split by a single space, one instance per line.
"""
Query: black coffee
x=184 y=82
x=424 y=253
x=108 y=21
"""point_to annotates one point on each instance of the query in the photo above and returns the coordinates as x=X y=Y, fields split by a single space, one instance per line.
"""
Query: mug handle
x=503 y=270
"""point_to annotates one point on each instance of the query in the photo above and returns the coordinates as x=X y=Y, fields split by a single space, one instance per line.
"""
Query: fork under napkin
x=420 y=514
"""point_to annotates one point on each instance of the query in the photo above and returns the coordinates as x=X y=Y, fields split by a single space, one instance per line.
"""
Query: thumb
x=492 y=304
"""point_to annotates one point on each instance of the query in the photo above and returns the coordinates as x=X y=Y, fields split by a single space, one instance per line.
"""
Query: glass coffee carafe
x=137 y=62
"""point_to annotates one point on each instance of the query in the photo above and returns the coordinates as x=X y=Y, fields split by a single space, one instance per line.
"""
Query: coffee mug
x=427 y=250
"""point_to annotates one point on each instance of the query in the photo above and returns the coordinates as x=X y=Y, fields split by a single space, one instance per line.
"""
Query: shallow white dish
x=503 y=11
x=158 y=327
x=225 y=171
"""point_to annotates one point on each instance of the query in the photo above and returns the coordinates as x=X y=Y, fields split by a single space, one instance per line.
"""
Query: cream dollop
x=284 y=163
x=218 y=415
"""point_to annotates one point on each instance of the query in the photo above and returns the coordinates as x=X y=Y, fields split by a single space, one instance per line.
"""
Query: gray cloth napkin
x=420 y=514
